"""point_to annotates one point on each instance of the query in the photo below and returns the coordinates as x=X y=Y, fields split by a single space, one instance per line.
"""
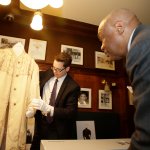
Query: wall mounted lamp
x=107 y=86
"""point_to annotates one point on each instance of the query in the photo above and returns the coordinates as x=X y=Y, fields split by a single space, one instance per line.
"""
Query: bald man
x=123 y=35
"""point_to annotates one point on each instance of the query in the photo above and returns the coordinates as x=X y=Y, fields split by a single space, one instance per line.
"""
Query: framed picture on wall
x=37 y=49
x=84 y=98
x=103 y=62
x=9 y=42
x=75 y=52
x=105 y=100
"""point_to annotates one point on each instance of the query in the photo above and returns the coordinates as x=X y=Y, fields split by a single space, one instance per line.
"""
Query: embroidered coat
x=19 y=83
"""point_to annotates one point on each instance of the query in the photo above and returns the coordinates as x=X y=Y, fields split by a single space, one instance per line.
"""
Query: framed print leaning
x=37 y=49
x=103 y=62
x=84 y=98
x=105 y=100
x=9 y=42
x=85 y=130
x=75 y=52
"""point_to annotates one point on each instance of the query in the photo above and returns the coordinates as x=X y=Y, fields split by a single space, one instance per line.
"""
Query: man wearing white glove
x=62 y=109
x=30 y=112
x=41 y=105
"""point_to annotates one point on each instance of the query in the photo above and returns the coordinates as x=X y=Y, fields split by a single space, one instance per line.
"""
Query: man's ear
x=67 y=69
x=119 y=27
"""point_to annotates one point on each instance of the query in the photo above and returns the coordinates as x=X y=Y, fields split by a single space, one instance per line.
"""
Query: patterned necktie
x=52 y=101
x=53 y=95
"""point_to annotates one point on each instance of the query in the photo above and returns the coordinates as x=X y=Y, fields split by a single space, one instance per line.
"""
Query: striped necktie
x=52 y=101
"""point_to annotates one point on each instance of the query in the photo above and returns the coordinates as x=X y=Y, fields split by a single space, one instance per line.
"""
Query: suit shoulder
x=72 y=81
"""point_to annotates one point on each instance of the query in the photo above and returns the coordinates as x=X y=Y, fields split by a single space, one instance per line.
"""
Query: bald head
x=117 y=27
x=120 y=15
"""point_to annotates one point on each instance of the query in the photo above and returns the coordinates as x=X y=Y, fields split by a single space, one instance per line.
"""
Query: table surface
x=99 y=144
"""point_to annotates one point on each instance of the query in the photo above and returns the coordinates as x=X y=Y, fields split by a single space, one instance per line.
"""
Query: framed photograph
x=105 y=100
x=85 y=130
x=75 y=52
x=103 y=62
x=9 y=42
x=37 y=49
x=84 y=98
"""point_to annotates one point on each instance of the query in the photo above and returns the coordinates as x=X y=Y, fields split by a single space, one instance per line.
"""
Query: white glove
x=41 y=105
x=30 y=112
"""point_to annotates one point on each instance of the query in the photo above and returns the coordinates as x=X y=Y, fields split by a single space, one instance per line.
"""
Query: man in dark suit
x=122 y=35
x=63 y=112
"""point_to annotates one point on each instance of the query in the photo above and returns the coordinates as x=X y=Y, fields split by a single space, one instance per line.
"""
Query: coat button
x=14 y=104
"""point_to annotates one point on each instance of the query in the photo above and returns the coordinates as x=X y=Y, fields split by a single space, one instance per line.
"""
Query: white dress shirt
x=48 y=87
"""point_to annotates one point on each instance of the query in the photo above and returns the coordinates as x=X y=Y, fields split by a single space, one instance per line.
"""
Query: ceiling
x=92 y=11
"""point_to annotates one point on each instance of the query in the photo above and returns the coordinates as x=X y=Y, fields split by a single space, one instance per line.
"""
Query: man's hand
x=41 y=105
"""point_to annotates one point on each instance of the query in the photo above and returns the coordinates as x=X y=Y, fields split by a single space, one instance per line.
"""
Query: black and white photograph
x=105 y=99
x=75 y=52
x=84 y=98
x=85 y=130
x=103 y=62
x=9 y=42
x=37 y=49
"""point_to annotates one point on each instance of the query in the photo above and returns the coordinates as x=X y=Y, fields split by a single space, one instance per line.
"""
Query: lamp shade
x=5 y=2
x=35 y=4
x=36 y=23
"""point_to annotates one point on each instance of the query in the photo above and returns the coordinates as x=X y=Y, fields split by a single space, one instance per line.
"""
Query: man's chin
x=113 y=58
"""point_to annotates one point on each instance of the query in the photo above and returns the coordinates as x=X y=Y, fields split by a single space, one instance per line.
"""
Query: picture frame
x=105 y=100
x=85 y=130
x=84 y=98
x=103 y=62
x=37 y=49
x=9 y=42
x=75 y=52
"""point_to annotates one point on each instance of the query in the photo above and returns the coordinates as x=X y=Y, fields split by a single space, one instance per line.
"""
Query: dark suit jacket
x=64 y=111
x=138 y=69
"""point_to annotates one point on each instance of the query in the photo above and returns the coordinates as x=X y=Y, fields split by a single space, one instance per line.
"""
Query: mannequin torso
x=18 y=48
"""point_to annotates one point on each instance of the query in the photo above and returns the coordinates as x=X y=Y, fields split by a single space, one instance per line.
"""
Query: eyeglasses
x=57 y=69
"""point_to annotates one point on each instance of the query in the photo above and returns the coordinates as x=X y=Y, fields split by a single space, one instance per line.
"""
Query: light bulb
x=35 y=4
x=56 y=3
x=106 y=87
x=36 y=23
x=5 y=2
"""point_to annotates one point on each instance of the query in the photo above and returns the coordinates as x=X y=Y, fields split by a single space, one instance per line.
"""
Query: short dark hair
x=65 y=58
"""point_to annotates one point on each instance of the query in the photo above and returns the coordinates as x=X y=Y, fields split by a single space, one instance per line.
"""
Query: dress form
x=18 y=48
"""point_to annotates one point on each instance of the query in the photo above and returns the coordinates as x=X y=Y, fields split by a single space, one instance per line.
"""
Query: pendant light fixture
x=35 y=4
x=5 y=2
x=39 y=4
x=36 y=23
x=56 y=3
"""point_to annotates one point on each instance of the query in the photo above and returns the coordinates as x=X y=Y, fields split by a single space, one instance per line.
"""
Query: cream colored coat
x=19 y=83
